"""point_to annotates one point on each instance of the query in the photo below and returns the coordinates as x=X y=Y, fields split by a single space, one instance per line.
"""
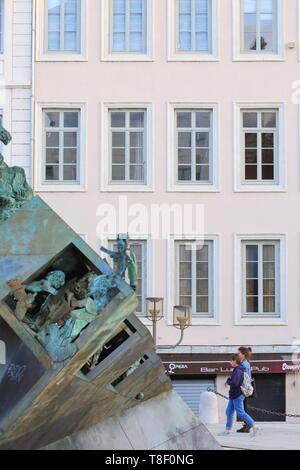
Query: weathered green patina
x=124 y=259
x=14 y=189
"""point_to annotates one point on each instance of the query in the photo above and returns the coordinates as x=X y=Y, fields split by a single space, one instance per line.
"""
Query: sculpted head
x=5 y=136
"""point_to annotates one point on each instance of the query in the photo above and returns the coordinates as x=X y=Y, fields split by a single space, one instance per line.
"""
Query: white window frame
x=172 y=290
x=172 y=171
x=39 y=183
x=240 y=184
x=42 y=54
x=105 y=168
x=2 y=26
x=258 y=319
x=174 y=55
x=6 y=56
x=239 y=55
x=106 y=30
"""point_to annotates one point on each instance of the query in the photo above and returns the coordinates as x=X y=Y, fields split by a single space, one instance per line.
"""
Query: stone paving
x=272 y=436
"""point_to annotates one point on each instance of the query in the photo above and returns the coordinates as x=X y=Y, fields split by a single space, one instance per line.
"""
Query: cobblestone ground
x=272 y=436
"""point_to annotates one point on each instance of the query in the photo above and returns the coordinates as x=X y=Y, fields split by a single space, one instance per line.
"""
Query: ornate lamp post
x=182 y=315
x=154 y=313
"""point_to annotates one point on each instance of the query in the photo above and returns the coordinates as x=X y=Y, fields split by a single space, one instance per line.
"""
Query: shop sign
x=216 y=368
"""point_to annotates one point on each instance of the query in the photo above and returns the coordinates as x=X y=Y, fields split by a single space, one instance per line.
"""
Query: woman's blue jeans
x=237 y=404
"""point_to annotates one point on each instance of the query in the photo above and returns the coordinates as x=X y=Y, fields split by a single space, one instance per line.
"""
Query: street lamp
x=182 y=315
x=154 y=312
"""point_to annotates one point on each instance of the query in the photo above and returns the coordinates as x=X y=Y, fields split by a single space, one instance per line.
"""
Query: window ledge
x=127 y=58
x=59 y=189
x=127 y=188
x=205 y=322
x=259 y=58
x=193 y=58
x=193 y=189
x=64 y=57
x=261 y=322
x=260 y=189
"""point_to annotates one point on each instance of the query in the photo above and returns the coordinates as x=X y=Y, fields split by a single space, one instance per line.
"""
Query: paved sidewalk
x=272 y=436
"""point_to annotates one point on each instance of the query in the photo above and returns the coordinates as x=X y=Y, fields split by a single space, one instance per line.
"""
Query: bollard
x=208 y=408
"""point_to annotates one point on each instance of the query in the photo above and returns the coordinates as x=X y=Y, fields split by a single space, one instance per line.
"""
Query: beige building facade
x=140 y=103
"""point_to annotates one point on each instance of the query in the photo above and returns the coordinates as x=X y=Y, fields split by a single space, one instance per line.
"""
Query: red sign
x=213 y=368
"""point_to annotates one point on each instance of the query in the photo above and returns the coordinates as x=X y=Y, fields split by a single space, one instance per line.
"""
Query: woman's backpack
x=246 y=387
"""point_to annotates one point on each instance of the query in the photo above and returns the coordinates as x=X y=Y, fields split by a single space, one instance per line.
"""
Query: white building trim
x=238 y=55
x=105 y=182
x=260 y=320
x=171 y=278
x=172 y=184
x=174 y=55
x=42 y=55
x=239 y=185
x=38 y=162
x=106 y=31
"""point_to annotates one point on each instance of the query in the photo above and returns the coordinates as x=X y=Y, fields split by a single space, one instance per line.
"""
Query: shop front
x=277 y=382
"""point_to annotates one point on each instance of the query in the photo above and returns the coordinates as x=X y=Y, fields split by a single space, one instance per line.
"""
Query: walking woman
x=236 y=398
x=245 y=354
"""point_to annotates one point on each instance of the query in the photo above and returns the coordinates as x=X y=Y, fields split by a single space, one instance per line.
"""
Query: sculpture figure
x=54 y=281
x=125 y=259
x=102 y=290
x=58 y=341
x=14 y=189
x=23 y=299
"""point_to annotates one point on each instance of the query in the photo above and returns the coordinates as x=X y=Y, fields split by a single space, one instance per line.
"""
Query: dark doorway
x=270 y=396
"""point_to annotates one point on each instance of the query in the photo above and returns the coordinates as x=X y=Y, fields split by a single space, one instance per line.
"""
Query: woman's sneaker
x=246 y=428
x=224 y=433
x=254 y=432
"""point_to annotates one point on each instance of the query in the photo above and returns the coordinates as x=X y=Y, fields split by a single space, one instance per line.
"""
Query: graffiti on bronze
x=16 y=372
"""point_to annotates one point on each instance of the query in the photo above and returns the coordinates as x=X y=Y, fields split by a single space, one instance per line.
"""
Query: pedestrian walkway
x=272 y=436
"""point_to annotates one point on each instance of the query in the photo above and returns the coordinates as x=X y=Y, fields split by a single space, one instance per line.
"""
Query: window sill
x=193 y=188
x=64 y=57
x=127 y=58
x=205 y=322
x=123 y=188
x=260 y=189
x=275 y=321
x=258 y=58
x=193 y=58
x=59 y=188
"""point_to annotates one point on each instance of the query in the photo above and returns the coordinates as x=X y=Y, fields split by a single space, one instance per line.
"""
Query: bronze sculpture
x=124 y=259
x=14 y=189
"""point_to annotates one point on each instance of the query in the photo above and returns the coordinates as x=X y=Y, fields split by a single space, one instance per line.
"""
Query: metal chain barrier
x=254 y=408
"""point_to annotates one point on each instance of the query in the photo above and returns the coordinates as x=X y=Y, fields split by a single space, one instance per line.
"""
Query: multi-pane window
x=129 y=25
x=261 y=278
x=259 y=30
x=63 y=25
x=1 y=26
x=61 y=145
x=139 y=248
x=128 y=145
x=195 y=277
x=194 y=146
x=194 y=20
x=260 y=145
